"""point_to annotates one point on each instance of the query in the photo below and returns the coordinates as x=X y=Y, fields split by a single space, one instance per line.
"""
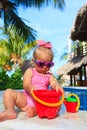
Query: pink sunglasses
x=42 y=63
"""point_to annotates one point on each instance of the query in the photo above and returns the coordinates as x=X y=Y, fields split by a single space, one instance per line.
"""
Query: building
x=76 y=67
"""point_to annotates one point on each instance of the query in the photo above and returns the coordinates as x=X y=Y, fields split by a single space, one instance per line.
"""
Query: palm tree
x=8 y=11
x=13 y=48
x=4 y=53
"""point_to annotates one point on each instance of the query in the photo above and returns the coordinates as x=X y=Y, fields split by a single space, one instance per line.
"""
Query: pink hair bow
x=45 y=44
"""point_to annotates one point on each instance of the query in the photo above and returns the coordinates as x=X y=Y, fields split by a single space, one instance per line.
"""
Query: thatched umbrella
x=79 y=29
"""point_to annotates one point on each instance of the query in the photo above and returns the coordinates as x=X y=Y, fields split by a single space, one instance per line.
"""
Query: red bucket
x=48 y=103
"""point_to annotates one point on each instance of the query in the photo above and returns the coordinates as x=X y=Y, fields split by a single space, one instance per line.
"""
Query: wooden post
x=71 y=80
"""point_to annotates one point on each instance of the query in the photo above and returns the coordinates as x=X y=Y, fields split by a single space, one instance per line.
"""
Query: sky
x=53 y=25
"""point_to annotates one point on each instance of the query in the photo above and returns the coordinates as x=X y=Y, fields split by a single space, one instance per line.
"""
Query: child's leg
x=12 y=98
x=31 y=111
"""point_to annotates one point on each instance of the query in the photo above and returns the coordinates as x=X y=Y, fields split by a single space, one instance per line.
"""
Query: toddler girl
x=35 y=78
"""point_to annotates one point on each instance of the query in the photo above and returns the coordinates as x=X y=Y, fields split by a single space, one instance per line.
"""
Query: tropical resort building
x=76 y=67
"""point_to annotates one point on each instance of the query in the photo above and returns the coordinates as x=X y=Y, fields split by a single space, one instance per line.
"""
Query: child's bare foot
x=7 y=115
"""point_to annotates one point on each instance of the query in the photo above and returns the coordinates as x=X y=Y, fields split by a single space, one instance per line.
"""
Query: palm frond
x=9 y=11
x=11 y=18
x=39 y=3
x=64 y=56
x=27 y=32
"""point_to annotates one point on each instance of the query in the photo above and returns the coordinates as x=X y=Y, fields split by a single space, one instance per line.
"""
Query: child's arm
x=54 y=84
x=27 y=84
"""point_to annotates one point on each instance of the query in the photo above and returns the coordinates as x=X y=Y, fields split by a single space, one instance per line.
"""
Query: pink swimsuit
x=40 y=82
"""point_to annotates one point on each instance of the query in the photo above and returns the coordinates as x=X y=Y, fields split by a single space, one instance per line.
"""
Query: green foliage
x=12 y=43
x=4 y=79
x=14 y=82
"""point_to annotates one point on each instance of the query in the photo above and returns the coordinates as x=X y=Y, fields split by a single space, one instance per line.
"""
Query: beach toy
x=72 y=103
x=48 y=102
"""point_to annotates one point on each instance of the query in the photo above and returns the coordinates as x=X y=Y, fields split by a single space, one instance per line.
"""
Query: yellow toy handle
x=46 y=103
x=78 y=105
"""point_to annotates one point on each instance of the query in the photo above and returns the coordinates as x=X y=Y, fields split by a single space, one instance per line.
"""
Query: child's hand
x=58 y=87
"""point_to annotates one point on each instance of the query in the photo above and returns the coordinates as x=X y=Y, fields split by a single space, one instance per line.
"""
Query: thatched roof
x=79 y=29
x=72 y=65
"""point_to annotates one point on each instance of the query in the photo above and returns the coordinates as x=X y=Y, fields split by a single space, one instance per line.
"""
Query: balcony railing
x=79 y=51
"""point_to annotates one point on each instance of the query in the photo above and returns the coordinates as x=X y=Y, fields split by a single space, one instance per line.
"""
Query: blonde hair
x=44 y=50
